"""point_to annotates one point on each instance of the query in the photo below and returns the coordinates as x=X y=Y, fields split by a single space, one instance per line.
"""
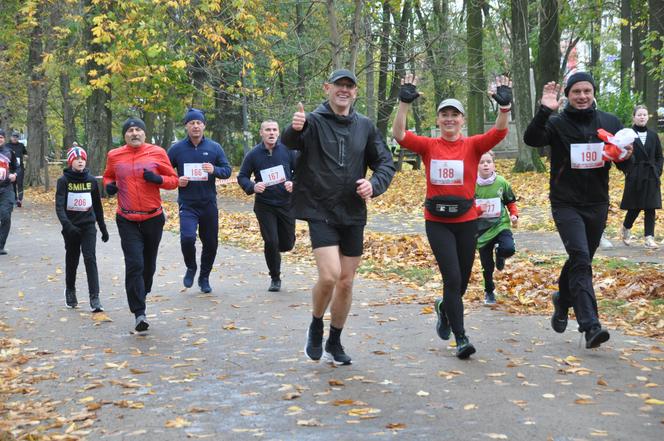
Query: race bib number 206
x=79 y=201
x=446 y=172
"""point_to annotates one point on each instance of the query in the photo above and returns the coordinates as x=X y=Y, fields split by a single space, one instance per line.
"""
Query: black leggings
x=453 y=245
x=648 y=220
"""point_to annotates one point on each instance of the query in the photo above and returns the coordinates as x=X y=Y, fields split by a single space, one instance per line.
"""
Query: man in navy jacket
x=198 y=161
x=272 y=165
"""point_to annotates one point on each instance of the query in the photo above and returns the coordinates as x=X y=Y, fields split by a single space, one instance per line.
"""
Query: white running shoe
x=605 y=243
x=625 y=235
x=650 y=242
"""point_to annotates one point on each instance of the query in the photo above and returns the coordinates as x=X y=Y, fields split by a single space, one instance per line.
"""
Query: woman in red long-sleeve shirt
x=451 y=217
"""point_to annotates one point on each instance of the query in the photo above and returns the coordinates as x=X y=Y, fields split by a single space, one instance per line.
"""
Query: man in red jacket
x=136 y=171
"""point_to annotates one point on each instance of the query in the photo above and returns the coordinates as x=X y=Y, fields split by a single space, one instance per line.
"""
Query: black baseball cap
x=342 y=73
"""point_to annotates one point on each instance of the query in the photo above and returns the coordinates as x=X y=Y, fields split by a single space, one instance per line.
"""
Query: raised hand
x=550 y=95
x=299 y=118
x=408 y=91
x=501 y=91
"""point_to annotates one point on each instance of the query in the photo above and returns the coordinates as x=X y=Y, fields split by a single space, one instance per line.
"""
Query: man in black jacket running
x=579 y=193
x=330 y=191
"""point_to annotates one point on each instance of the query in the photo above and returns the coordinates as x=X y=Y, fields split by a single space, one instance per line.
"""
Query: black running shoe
x=95 y=303
x=489 y=298
x=188 y=279
x=141 y=324
x=443 y=328
x=70 y=298
x=596 y=336
x=336 y=354
x=559 y=317
x=500 y=261
x=275 y=285
x=314 y=346
x=464 y=348
x=204 y=284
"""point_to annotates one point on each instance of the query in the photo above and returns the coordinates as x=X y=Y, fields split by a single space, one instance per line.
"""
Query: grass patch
x=657 y=302
x=611 y=306
x=411 y=274
x=615 y=264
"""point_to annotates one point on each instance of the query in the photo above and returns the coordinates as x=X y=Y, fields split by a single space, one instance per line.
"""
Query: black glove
x=408 y=93
x=72 y=230
x=503 y=95
x=111 y=188
x=104 y=233
x=152 y=177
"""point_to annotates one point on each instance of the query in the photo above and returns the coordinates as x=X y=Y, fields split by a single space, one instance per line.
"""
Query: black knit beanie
x=577 y=77
x=132 y=122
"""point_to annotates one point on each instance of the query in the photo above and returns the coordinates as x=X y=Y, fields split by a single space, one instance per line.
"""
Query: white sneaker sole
x=330 y=359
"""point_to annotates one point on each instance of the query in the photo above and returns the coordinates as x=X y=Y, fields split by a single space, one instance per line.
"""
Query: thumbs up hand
x=299 y=118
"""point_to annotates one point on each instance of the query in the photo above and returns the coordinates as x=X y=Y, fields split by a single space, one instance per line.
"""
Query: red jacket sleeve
x=514 y=211
x=167 y=172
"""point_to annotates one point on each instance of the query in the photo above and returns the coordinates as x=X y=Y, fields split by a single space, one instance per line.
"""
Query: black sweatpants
x=85 y=243
x=580 y=229
x=453 y=245
x=7 y=200
x=505 y=241
x=140 y=244
x=277 y=226
x=18 y=184
x=648 y=220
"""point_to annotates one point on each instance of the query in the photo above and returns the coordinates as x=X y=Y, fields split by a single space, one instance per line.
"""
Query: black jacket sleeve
x=292 y=138
x=380 y=162
x=244 y=176
x=61 y=202
x=98 y=207
x=537 y=133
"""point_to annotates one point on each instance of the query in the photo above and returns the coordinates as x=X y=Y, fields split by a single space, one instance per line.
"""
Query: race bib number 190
x=79 y=201
x=194 y=172
x=587 y=155
x=446 y=172
x=273 y=175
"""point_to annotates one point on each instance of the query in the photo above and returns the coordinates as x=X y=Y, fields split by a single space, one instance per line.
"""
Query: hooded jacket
x=336 y=151
x=8 y=165
x=567 y=185
x=138 y=199
x=72 y=191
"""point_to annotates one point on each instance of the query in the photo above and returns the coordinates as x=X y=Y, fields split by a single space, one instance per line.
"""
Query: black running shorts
x=349 y=238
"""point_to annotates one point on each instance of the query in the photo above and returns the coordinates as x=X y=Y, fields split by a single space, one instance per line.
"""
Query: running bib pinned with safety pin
x=273 y=175
x=446 y=172
x=79 y=201
x=586 y=156
x=195 y=172
x=491 y=207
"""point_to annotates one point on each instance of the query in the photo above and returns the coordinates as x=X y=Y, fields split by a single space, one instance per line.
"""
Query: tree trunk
x=369 y=87
x=625 y=46
x=384 y=56
x=547 y=67
x=98 y=114
x=476 y=82
x=436 y=47
x=528 y=158
x=167 y=135
x=386 y=107
x=299 y=31
x=653 y=64
x=68 y=113
x=595 y=45
x=355 y=36
x=335 y=39
x=639 y=68
x=37 y=100
x=149 y=118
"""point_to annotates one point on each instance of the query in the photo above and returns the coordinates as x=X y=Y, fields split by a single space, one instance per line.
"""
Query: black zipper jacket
x=569 y=186
x=335 y=152
x=78 y=182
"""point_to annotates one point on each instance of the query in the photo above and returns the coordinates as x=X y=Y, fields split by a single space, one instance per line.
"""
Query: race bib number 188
x=446 y=172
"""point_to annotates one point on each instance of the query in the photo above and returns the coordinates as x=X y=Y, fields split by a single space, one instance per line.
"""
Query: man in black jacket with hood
x=8 y=170
x=579 y=193
x=330 y=191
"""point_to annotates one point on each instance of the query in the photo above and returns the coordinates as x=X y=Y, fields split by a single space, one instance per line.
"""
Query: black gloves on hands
x=111 y=188
x=408 y=93
x=503 y=95
x=104 y=233
x=152 y=177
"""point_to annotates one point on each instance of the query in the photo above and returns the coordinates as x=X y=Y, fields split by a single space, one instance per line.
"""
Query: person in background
x=199 y=162
x=20 y=151
x=78 y=206
x=272 y=165
x=8 y=170
x=642 y=180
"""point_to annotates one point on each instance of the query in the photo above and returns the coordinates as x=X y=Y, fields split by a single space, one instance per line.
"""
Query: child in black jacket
x=78 y=206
